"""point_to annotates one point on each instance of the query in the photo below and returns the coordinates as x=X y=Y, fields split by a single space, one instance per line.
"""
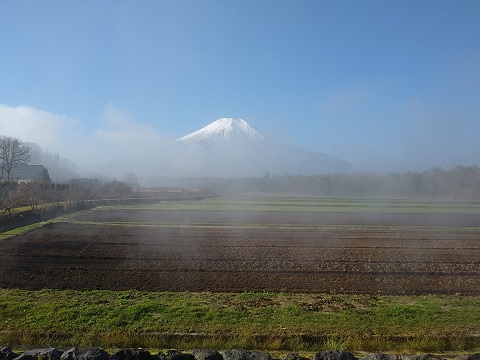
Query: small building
x=23 y=173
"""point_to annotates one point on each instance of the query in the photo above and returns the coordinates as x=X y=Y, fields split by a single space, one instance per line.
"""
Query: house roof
x=24 y=172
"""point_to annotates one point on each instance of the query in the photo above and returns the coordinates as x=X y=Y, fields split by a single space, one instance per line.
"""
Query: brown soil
x=217 y=251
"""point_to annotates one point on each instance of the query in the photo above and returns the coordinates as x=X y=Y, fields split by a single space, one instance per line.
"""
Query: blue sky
x=385 y=85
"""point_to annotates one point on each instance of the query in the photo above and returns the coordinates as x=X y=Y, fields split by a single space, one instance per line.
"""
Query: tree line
x=42 y=195
x=461 y=182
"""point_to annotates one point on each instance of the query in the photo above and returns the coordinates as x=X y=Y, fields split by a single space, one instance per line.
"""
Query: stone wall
x=95 y=353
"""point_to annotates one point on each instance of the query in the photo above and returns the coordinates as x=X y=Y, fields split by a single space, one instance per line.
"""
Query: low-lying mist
x=460 y=183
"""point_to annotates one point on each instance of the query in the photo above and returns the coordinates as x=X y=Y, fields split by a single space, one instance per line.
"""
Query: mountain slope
x=232 y=148
x=225 y=148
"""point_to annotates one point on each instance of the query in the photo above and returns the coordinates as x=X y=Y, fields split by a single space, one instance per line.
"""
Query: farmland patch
x=167 y=248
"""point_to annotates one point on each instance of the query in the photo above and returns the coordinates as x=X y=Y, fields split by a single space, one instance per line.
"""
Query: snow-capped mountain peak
x=224 y=129
x=231 y=147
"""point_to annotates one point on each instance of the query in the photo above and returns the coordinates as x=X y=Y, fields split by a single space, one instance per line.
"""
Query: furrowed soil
x=233 y=251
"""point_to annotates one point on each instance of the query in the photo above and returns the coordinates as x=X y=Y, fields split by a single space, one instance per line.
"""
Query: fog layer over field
x=255 y=244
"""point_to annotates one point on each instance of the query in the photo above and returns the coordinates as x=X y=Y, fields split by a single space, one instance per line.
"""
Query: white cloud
x=126 y=135
x=33 y=125
x=118 y=137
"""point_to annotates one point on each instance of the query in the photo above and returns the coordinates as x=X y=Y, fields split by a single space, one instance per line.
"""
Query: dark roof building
x=23 y=173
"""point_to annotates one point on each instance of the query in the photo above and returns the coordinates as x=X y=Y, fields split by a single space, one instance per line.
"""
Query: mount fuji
x=231 y=147
x=225 y=148
x=226 y=129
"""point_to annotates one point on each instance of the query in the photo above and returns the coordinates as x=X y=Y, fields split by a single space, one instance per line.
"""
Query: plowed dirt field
x=248 y=251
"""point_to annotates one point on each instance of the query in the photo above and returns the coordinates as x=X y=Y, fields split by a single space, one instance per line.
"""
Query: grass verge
x=270 y=321
x=23 y=229
x=310 y=205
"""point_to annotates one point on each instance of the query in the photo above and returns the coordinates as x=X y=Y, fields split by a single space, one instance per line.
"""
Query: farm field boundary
x=24 y=217
x=274 y=274
x=238 y=244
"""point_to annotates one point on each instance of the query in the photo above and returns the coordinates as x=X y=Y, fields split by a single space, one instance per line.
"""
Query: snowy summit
x=224 y=129
x=230 y=147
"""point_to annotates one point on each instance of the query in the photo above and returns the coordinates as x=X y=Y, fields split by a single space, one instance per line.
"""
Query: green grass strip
x=271 y=321
x=310 y=205
x=23 y=229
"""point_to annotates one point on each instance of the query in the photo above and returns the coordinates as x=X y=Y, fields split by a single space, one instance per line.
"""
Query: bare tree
x=12 y=153
x=10 y=198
